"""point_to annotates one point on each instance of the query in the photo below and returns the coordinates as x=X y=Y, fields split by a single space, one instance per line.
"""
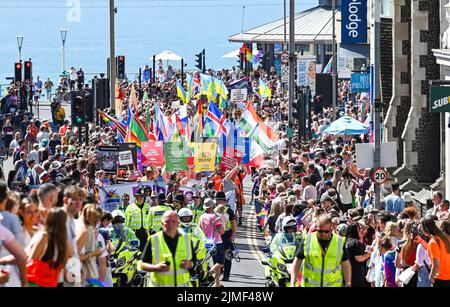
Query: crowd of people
x=54 y=231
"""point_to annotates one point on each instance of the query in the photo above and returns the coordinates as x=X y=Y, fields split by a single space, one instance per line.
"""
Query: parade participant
x=325 y=259
x=212 y=226
x=169 y=255
x=230 y=232
x=136 y=218
x=179 y=201
x=156 y=213
x=119 y=231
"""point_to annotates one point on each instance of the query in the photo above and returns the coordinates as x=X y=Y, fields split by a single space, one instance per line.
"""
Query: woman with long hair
x=29 y=215
x=439 y=252
x=87 y=241
x=357 y=253
x=275 y=211
x=48 y=251
x=407 y=256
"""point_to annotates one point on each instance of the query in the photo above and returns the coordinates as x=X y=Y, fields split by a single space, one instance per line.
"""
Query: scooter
x=124 y=266
x=279 y=265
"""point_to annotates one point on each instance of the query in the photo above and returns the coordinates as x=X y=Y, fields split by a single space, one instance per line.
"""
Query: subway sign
x=354 y=21
x=439 y=99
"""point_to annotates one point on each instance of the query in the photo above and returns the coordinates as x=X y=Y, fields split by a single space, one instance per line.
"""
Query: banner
x=360 y=82
x=354 y=21
x=153 y=153
x=175 y=154
x=439 y=99
x=110 y=197
x=108 y=157
x=306 y=72
x=205 y=157
x=127 y=156
x=228 y=163
x=238 y=95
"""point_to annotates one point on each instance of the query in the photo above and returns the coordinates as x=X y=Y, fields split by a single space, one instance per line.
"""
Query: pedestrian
x=168 y=255
x=438 y=251
x=394 y=203
x=49 y=251
x=357 y=253
x=229 y=235
x=48 y=85
x=326 y=261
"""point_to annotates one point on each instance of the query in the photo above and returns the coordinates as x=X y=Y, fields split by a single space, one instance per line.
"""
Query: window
x=302 y=47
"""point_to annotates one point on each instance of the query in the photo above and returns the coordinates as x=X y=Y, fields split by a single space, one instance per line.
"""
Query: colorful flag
x=264 y=90
x=328 y=69
x=114 y=123
x=262 y=137
x=181 y=93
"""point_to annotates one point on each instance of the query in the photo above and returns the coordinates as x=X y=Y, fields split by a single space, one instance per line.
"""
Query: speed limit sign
x=379 y=176
x=285 y=58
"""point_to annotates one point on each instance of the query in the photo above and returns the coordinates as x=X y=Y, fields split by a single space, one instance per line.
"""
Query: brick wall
x=386 y=62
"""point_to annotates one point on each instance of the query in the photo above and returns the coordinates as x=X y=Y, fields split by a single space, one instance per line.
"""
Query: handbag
x=40 y=273
x=406 y=275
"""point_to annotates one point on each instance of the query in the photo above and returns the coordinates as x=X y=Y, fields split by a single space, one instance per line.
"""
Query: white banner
x=238 y=95
x=125 y=158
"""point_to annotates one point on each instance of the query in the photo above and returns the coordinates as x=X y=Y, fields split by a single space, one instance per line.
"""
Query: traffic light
x=28 y=72
x=121 y=67
x=78 y=109
x=18 y=74
x=199 y=61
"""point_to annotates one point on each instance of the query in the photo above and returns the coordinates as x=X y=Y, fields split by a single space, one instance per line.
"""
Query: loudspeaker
x=324 y=89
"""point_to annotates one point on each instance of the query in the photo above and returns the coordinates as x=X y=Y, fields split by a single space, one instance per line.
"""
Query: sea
x=143 y=28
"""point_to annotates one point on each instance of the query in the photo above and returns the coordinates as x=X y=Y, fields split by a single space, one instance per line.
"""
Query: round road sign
x=379 y=176
x=285 y=58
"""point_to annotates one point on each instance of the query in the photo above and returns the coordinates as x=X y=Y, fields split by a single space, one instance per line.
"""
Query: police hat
x=179 y=198
x=161 y=198
x=139 y=192
x=220 y=195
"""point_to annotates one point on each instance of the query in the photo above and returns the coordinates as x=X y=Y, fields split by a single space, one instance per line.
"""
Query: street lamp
x=19 y=44
x=63 y=40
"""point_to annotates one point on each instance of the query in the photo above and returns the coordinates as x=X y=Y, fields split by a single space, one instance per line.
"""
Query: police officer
x=324 y=256
x=119 y=231
x=169 y=255
x=136 y=218
x=125 y=202
x=179 y=201
x=156 y=213
x=230 y=232
x=196 y=207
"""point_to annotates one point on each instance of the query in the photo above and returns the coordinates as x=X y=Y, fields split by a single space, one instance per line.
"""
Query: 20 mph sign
x=379 y=176
x=285 y=58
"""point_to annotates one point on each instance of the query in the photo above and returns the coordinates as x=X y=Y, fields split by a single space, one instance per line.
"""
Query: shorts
x=219 y=257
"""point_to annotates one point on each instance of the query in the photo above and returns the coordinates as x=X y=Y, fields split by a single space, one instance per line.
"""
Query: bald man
x=169 y=255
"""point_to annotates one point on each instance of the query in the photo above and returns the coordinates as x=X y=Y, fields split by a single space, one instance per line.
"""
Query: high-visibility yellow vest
x=197 y=212
x=137 y=217
x=154 y=220
x=319 y=270
x=176 y=276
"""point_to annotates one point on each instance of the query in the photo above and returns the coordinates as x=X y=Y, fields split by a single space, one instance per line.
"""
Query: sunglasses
x=323 y=231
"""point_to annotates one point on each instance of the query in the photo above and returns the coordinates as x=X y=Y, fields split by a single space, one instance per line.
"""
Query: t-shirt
x=300 y=253
x=209 y=223
x=356 y=248
x=436 y=250
x=6 y=236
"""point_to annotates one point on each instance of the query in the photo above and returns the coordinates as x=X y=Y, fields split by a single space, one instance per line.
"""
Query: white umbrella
x=235 y=53
x=168 y=55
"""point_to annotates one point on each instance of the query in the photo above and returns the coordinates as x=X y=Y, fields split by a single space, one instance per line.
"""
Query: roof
x=312 y=25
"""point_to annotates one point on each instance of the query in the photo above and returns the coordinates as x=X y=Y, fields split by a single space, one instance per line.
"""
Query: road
x=249 y=272
x=249 y=240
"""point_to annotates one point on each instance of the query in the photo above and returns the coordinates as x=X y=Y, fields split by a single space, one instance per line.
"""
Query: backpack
x=21 y=172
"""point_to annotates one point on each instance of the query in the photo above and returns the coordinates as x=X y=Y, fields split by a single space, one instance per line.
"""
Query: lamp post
x=19 y=44
x=63 y=40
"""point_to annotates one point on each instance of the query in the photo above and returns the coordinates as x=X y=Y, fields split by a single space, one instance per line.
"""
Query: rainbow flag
x=264 y=90
x=114 y=123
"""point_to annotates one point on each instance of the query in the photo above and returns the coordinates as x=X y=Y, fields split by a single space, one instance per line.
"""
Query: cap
x=407 y=197
x=297 y=169
x=208 y=203
x=325 y=197
x=116 y=213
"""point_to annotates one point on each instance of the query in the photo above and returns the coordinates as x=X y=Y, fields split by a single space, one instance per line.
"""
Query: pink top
x=210 y=223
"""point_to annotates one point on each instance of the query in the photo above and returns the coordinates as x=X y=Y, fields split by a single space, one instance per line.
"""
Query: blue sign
x=360 y=82
x=354 y=21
